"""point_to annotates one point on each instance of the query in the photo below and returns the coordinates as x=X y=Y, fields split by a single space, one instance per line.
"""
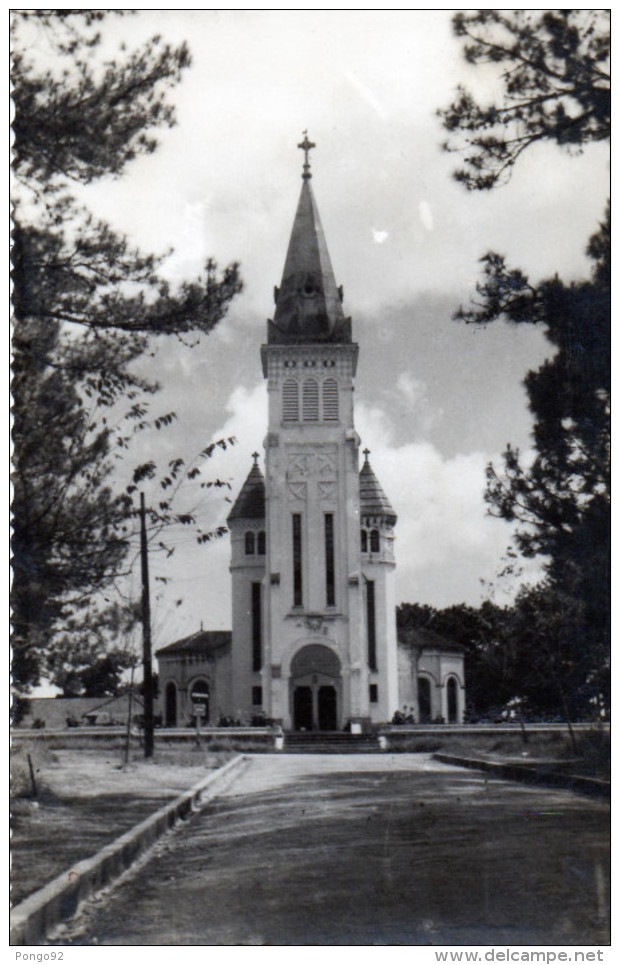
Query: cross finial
x=367 y=453
x=255 y=458
x=306 y=146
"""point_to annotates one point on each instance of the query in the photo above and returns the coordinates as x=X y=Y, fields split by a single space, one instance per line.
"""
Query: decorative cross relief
x=298 y=490
x=326 y=464
x=298 y=464
x=317 y=461
x=327 y=490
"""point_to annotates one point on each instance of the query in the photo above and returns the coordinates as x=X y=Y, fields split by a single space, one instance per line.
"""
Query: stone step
x=331 y=749
x=330 y=742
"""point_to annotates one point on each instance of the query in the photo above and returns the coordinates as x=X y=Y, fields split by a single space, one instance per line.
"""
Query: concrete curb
x=61 y=898
x=530 y=774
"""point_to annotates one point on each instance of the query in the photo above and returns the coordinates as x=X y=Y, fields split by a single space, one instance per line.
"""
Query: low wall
x=256 y=738
x=433 y=737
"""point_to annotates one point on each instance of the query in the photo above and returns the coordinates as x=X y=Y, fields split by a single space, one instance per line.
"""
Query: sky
x=436 y=400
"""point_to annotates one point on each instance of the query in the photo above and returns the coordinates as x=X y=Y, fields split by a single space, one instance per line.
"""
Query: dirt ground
x=368 y=849
x=85 y=799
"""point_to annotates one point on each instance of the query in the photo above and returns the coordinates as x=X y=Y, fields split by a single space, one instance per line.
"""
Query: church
x=313 y=643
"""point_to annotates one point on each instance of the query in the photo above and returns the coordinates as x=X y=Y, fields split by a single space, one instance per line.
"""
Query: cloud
x=413 y=389
x=426 y=215
x=446 y=543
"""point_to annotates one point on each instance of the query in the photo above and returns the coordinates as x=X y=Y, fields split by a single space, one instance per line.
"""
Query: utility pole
x=147 y=660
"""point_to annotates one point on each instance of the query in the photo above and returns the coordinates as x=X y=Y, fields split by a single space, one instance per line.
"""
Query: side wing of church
x=312 y=535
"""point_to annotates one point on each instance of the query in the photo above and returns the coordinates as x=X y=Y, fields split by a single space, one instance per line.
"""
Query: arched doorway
x=199 y=696
x=316 y=689
x=453 y=702
x=424 y=700
x=171 y=704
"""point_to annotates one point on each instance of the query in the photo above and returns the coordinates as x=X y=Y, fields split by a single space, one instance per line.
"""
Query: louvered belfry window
x=330 y=400
x=290 y=401
x=310 y=401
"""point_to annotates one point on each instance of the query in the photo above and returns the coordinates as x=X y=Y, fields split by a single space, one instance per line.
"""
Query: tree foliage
x=561 y=500
x=555 y=75
x=529 y=656
x=555 y=87
x=87 y=305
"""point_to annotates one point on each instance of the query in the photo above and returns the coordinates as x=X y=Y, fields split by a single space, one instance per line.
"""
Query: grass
x=592 y=758
x=85 y=798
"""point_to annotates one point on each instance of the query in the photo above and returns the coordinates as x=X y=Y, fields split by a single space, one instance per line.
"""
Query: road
x=368 y=849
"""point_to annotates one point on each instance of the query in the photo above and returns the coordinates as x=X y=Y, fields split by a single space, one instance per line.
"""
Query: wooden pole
x=32 y=778
x=147 y=660
x=128 y=734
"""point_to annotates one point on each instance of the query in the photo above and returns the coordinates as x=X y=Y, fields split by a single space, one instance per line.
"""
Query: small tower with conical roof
x=377 y=521
x=246 y=522
x=314 y=637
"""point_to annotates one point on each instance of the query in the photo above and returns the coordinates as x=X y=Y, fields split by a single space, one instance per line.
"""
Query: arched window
x=171 y=704
x=374 y=541
x=199 y=699
x=424 y=700
x=453 y=705
x=364 y=536
x=330 y=400
x=260 y=543
x=249 y=544
x=290 y=401
x=310 y=401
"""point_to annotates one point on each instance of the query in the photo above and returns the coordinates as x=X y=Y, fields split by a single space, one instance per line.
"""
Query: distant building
x=431 y=680
x=195 y=672
x=312 y=538
x=56 y=713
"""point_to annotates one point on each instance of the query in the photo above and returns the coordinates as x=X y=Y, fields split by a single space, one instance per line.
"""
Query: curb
x=61 y=898
x=529 y=774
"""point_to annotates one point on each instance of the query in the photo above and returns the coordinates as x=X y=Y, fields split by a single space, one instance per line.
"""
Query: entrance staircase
x=330 y=742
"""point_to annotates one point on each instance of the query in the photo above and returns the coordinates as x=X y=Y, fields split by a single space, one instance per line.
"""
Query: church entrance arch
x=316 y=688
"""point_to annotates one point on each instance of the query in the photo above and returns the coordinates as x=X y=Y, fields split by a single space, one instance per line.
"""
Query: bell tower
x=316 y=672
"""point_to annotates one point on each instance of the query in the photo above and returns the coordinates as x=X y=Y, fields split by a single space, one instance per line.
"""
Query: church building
x=313 y=643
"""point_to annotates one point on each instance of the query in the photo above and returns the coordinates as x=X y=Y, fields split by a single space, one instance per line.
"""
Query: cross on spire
x=306 y=146
x=255 y=458
x=366 y=453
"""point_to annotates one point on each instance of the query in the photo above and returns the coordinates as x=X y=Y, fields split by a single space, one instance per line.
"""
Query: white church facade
x=313 y=643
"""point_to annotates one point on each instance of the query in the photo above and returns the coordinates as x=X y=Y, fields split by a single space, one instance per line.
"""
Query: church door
x=303 y=708
x=328 y=712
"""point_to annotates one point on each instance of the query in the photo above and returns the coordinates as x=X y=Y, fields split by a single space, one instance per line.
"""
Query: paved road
x=369 y=849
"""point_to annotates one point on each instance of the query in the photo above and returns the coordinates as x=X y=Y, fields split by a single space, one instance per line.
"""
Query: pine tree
x=86 y=306
x=555 y=79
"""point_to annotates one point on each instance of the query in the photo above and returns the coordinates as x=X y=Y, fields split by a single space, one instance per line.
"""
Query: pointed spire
x=308 y=302
x=250 y=503
x=373 y=501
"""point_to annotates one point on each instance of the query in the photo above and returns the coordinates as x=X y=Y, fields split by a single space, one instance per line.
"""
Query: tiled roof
x=423 y=639
x=203 y=642
x=373 y=501
x=250 y=503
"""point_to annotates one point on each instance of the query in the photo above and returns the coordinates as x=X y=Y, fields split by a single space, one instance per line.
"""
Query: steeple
x=308 y=302
x=373 y=501
x=250 y=503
